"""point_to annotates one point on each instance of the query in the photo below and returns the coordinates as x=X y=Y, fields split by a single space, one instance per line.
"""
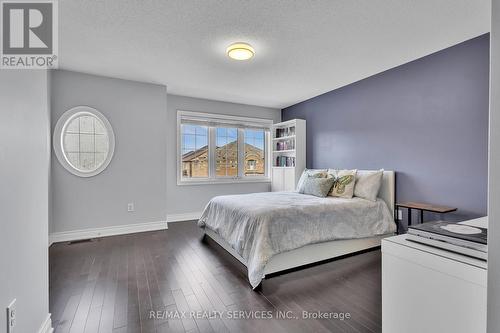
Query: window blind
x=213 y=120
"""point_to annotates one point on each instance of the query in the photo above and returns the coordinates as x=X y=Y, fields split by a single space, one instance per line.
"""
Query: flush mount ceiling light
x=240 y=51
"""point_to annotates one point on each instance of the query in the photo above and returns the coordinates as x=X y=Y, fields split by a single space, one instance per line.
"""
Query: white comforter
x=261 y=225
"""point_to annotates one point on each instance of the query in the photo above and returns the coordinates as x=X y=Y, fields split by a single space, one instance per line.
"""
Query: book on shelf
x=285 y=145
x=285 y=161
x=284 y=132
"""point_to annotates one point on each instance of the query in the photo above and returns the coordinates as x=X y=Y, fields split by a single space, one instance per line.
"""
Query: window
x=194 y=151
x=255 y=161
x=251 y=165
x=226 y=152
x=221 y=149
x=83 y=141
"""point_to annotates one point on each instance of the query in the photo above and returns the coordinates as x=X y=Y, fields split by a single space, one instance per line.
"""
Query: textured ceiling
x=303 y=47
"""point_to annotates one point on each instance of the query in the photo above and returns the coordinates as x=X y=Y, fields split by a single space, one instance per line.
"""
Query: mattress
x=259 y=226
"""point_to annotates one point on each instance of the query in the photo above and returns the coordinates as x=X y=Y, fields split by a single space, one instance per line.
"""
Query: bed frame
x=316 y=253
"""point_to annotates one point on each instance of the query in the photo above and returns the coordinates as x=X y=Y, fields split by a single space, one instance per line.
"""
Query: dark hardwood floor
x=112 y=284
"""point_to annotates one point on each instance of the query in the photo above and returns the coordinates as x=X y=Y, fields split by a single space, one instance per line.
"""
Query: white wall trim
x=65 y=236
x=46 y=325
x=183 y=217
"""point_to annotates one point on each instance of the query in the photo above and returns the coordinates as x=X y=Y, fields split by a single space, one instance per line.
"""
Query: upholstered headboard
x=388 y=190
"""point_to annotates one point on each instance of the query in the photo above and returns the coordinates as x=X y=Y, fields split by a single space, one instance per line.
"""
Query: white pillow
x=343 y=186
x=368 y=184
x=322 y=173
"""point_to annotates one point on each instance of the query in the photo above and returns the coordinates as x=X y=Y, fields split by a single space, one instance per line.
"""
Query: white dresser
x=425 y=289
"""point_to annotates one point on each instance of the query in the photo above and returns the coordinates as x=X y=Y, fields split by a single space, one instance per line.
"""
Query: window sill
x=222 y=181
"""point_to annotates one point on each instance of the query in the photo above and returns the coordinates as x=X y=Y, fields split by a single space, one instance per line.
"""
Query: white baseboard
x=66 y=236
x=46 y=326
x=183 y=217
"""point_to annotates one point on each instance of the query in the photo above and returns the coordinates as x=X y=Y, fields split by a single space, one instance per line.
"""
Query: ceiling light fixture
x=240 y=51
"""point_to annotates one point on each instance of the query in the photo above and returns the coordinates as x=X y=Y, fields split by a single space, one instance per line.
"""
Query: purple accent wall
x=427 y=120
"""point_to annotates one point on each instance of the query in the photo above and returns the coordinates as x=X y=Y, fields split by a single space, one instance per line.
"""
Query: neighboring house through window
x=219 y=149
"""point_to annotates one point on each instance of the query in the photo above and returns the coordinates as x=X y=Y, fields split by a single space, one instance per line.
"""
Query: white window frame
x=240 y=123
x=58 y=145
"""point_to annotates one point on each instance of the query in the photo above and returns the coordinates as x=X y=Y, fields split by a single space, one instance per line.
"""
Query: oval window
x=84 y=141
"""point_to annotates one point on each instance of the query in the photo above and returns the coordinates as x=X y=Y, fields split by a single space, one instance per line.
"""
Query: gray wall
x=138 y=114
x=193 y=198
x=494 y=179
x=24 y=196
x=427 y=119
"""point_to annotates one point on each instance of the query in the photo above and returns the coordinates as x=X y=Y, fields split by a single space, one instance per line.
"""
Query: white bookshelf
x=288 y=154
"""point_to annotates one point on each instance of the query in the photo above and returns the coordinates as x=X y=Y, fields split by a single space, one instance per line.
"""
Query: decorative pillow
x=316 y=186
x=318 y=173
x=343 y=185
x=368 y=184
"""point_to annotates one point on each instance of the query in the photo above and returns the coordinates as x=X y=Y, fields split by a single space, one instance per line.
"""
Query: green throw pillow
x=318 y=186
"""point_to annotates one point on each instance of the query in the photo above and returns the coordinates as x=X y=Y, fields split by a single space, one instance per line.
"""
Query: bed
x=273 y=232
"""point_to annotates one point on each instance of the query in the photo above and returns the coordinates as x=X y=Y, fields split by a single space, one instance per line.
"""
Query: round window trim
x=58 y=144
